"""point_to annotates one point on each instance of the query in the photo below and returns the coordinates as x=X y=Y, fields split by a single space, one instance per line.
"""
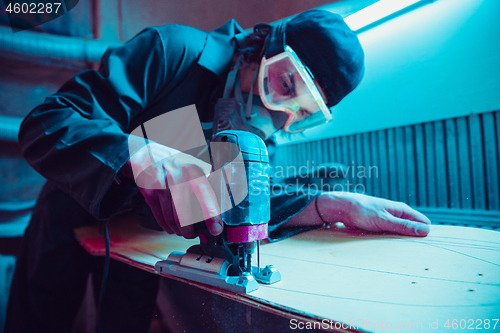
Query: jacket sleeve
x=285 y=204
x=77 y=137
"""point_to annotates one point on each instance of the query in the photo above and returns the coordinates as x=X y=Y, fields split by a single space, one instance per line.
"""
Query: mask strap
x=249 y=110
x=232 y=78
x=237 y=91
x=233 y=84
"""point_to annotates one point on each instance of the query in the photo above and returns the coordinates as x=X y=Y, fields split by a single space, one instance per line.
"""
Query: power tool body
x=240 y=179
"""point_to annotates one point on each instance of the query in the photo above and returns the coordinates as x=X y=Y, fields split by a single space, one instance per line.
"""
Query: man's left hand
x=370 y=213
x=364 y=212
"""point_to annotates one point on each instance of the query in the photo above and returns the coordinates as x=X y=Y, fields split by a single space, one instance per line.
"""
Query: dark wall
x=208 y=15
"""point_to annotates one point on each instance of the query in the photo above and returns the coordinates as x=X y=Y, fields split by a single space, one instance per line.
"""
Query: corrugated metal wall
x=452 y=163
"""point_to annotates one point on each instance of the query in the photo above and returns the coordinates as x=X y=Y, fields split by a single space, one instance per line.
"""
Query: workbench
x=343 y=280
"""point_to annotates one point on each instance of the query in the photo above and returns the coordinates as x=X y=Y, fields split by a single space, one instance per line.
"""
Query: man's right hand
x=167 y=178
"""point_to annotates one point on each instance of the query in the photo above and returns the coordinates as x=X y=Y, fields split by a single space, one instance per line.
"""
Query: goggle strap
x=240 y=40
x=275 y=41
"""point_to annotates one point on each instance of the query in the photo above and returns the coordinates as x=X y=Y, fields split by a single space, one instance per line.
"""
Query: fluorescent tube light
x=379 y=12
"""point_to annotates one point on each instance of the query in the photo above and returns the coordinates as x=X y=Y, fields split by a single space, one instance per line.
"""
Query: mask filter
x=267 y=122
x=229 y=116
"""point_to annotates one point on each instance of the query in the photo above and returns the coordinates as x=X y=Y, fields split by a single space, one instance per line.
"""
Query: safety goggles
x=286 y=85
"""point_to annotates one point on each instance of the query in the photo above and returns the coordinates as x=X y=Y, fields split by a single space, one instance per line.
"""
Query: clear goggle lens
x=286 y=85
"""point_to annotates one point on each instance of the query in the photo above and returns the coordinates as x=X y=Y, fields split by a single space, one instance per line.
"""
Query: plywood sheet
x=361 y=279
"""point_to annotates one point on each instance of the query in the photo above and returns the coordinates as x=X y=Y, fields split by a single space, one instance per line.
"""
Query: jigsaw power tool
x=240 y=179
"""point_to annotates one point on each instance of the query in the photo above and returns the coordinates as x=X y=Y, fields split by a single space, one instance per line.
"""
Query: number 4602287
x=33 y=8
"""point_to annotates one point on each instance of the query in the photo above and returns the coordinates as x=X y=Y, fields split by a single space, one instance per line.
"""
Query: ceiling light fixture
x=380 y=12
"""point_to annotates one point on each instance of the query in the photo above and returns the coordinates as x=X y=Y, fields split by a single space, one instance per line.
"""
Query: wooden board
x=353 y=277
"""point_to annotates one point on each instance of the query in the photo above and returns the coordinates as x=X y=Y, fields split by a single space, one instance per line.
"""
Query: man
x=79 y=139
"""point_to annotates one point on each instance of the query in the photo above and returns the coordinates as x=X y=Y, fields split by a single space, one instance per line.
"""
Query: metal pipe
x=9 y=128
x=49 y=46
x=10 y=211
